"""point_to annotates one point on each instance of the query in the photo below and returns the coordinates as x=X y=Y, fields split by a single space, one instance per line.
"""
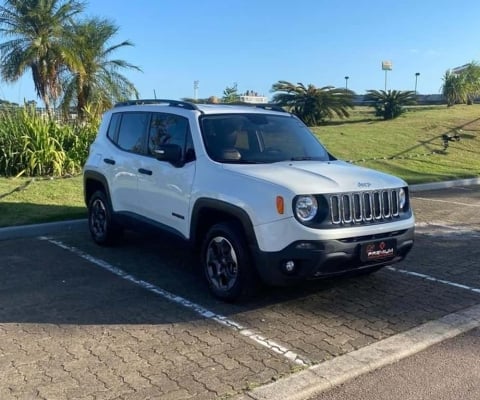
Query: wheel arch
x=208 y=212
x=93 y=181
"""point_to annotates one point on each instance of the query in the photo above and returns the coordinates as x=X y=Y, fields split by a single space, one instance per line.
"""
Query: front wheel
x=226 y=262
x=103 y=229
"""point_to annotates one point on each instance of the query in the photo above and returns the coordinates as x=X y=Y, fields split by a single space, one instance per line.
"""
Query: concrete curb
x=324 y=376
x=444 y=185
x=15 y=232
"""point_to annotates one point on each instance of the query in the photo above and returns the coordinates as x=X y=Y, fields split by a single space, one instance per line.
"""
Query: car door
x=127 y=161
x=165 y=189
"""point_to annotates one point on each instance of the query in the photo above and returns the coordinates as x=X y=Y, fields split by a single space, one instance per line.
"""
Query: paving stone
x=69 y=329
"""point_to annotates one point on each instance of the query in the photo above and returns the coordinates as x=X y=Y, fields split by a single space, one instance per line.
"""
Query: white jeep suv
x=251 y=188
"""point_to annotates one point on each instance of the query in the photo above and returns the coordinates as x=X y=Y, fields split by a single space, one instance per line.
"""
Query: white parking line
x=257 y=338
x=431 y=278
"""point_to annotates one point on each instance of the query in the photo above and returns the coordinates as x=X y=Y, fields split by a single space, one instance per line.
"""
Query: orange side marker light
x=280 y=205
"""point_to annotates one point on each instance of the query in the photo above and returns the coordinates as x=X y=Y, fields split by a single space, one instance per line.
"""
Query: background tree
x=470 y=77
x=311 y=104
x=454 y=89
x=390 y=104
x=462 y=87
x=230 y=94
x=34 y=30
x=92 y=76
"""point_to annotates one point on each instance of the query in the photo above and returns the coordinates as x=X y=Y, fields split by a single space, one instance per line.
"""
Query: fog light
x=289 y=266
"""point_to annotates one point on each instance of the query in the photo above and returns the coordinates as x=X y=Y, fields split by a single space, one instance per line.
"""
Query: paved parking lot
x=84 y=322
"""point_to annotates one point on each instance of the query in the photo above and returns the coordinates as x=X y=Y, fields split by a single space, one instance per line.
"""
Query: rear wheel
x=226 y=262
x=103 y=229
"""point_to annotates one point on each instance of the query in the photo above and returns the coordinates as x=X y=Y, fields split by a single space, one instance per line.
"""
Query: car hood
x=318 y=177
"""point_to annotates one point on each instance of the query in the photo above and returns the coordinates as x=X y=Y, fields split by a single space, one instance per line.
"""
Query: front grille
x=364 y=207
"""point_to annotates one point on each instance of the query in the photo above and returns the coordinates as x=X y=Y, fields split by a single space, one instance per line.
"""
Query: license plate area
x=378 y=250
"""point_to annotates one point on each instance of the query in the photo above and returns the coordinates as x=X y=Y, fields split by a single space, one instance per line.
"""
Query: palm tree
x=390 y=104
x=471 y=81
x=34 y=30
x=93 y=76
x=462 y=87
x=454 y=88
x=311 y=104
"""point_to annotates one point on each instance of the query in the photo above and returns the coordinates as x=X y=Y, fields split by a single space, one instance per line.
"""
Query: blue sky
x=255 y=43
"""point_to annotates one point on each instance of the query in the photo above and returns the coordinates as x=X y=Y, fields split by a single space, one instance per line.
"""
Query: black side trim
x=140 y=223
x=213 y=205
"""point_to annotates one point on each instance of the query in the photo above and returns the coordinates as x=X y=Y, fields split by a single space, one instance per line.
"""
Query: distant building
x=252 y=97
x=459 y=70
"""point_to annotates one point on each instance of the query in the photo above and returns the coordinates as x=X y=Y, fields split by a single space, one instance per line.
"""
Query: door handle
x=109 y=161
x=145 y=171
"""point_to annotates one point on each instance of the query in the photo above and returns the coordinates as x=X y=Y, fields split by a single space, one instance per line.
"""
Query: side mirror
x=171 y=153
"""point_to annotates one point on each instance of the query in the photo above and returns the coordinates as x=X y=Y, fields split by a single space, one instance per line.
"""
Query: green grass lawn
x=410 y=146
x=37 y=200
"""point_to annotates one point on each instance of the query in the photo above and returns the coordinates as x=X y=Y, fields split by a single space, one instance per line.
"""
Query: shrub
x=390 y=104
x=33 y=144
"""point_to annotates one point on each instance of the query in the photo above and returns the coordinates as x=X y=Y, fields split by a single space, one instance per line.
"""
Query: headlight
x=306 y=208
x=402 y=198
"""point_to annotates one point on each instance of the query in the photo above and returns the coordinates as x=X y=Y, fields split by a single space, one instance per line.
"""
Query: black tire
x=103 y=229
x=226 y=263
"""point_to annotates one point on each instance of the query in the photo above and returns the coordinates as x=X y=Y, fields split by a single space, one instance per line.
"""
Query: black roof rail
x=172 y=103
x=265 y=106
x=272 y=107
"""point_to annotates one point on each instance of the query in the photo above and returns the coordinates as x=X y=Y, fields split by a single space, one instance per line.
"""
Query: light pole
x=195 y=90
x=346 y=82
x=416 y=78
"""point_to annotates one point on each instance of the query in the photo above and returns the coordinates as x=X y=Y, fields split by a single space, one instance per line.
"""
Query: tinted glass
x=113 y=127
x=132 y=131
x=167 y=129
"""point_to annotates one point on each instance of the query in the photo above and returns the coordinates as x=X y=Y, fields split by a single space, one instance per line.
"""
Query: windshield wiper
x=303 y=158
x=309 y=158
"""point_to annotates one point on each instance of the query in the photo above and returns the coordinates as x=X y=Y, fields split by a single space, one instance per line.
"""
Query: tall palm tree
x=311 y=104
x=390 y=104
x=92 y=76
x=34 y=30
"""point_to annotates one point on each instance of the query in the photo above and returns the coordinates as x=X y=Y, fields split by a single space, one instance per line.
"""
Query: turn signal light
x=280 y=205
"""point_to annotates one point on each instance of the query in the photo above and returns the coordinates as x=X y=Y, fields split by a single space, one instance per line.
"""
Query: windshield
x=259 y=138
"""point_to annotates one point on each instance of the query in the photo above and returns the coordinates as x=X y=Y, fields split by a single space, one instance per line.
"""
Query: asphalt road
x=78 y=321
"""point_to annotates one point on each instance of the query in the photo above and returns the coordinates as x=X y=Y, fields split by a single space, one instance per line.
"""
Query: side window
x=170 y=129
x=113 y=127
x=132 y=131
